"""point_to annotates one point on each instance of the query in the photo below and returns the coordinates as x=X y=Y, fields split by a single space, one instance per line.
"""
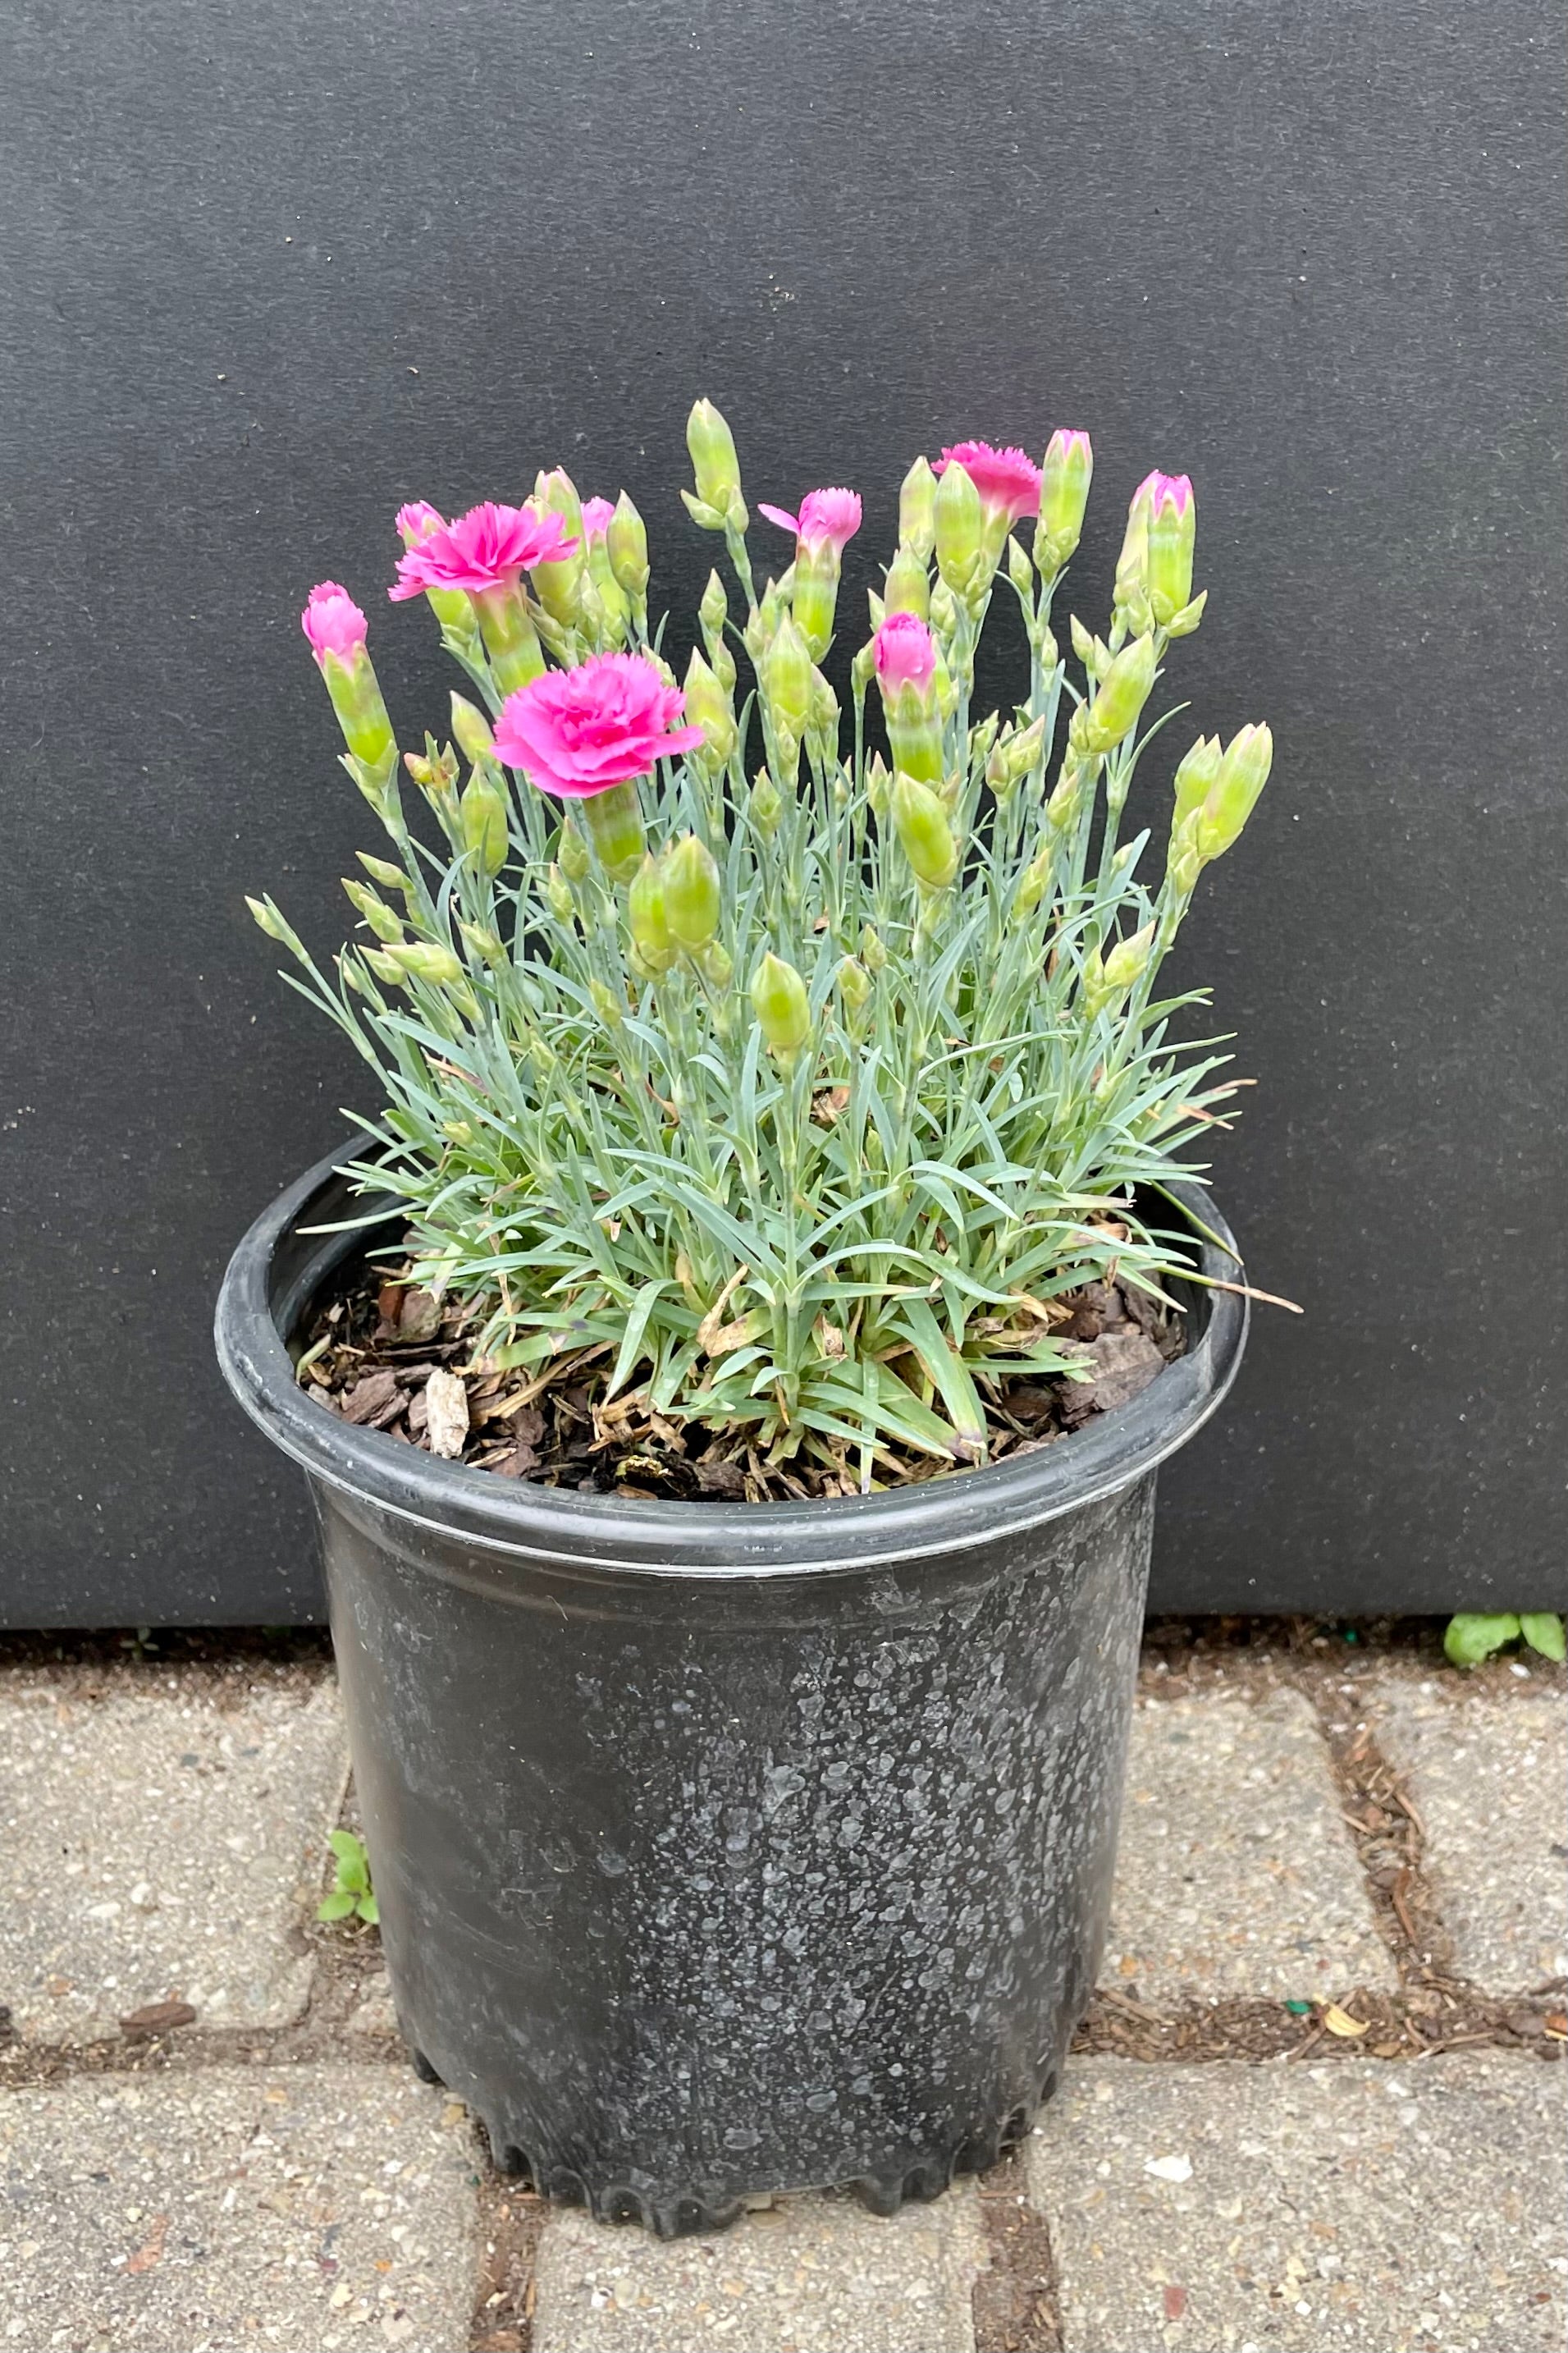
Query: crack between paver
x=1015 y=2300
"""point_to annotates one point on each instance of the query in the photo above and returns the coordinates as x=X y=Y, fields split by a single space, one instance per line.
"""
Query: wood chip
x=369 y=1397
x=158 y=2018
x=446 y=1414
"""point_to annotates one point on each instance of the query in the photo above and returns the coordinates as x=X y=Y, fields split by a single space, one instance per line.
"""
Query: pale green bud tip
x=481 y=817
x=714 y=609
x=426 y=960
x=606 y=1004
x=873 y=955
x=924 y=833
x=917 y=509
x=558 y=895
x=1123 y=690
x=783 y=1007
x=471 y=730
x=692 y=896
x=380 y=869
x=854 y=983
x=1195 y=775
x=787 y=675
x=625 y=541
x=714 y=462
x=573 y=850
x=1128 y=958
x=960 y=528
x=270 y=921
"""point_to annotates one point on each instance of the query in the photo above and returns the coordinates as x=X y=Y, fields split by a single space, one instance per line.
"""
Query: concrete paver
x=1389 y=2208
x=161 y=1843
x=807 y=2274
x=1489 y=1778
x=301 y=2209
x=1237 y=1875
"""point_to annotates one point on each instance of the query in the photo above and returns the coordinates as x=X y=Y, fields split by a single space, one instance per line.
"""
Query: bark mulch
x=389 y=1356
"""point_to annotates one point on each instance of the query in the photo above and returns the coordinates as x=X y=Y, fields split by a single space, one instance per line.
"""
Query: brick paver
x=1237 y=1874
x=300 y=2209
x=1389 y=2208
x=1489 y=1776
x=160 y=1842
x=806 y=2274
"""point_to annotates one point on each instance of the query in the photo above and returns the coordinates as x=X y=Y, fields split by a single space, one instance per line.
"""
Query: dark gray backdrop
x=270 y=269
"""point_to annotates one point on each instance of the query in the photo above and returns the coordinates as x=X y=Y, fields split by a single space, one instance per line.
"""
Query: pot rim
x=277 y=1269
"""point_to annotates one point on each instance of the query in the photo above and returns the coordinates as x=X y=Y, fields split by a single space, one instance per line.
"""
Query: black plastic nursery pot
x=724 y=1848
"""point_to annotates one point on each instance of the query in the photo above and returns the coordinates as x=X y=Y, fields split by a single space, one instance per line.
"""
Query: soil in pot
x=374 y=1343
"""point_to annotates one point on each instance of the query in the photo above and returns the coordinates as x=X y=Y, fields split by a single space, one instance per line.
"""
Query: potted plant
x=732 y=1368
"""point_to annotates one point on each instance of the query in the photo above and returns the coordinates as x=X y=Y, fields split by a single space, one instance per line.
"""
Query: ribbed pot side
x=732 y=1849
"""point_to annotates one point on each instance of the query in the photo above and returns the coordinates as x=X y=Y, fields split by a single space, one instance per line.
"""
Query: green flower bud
x=960 y=530
x=917 y=510
x=614 y=820
x=873 y=955
x=1020 y=567
x=472 y=730
x=878 y=785
x=923 y=831
x=559 y=582
x=606 y=1004
x=558 y=895
x=1048 y=650
x=1016 y=758
x=605 y=604
x=556 y=493
x=435 y=774
x=714 y=610
x=716 y=964
x=1183 y=623
x=482 y=822
x=707 y=707
x=1123 y=690
x=1243 y=772
x=276 y=926
x=715 y=465
x=782 y=1007
x=1130 y=594
x=908 y=585
x=627 y=542
x=377 y=961
x=1195 y=775
x=573 y=851
x=863 y=668
x=646 y=917
x=356 y=700
x=1065 y=805
x=1172 y=530
x=380 y=869
x=1091 y=652
x=485 y=944
x=854 y=985
x=787 y=678
x=427 y=961
x=766 y=805
x=693 y=896
x=1127 y=960
x=824 y=721
x=1033 y=883
x=1065 y=477
x=512 y=641
x=376 y=914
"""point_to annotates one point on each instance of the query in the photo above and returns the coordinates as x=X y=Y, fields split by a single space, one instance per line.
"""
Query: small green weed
x=352 y=1897
x=1473 y=1635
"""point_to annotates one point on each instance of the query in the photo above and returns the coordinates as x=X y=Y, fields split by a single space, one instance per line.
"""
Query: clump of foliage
x=1473 y=1635
x=791 y=1055
x=351 y=1896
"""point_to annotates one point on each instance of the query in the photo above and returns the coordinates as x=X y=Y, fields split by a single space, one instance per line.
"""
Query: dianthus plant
x=786 y=1059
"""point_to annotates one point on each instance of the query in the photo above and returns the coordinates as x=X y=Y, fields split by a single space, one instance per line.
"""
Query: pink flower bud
x=333 y=623
x=598 y=515
x=417 y=521
x=906 y=652
x=827 y=518
x=1162 y=489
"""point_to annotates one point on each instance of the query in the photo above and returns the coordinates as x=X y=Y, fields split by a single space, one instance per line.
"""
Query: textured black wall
x=267 y=270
